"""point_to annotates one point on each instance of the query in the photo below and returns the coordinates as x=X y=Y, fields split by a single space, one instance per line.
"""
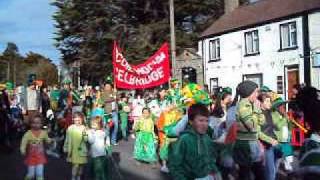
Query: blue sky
x=29 y=24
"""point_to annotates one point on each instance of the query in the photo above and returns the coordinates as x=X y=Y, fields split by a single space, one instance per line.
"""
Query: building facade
x=189 y=67
x=272 y=42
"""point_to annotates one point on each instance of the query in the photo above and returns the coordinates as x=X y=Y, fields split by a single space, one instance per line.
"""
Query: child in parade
x=98 y=148
x=217 y=120
x=193 y=155
x=145 y=147
x=272 y=152
x=123 y=113
x=137 y=105
x=75 y=145
x=170 y=116
x=33 y=148
x=283 y=128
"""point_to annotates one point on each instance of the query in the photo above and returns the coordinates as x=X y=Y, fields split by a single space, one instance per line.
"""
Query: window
x=214 y=85
x=288 y=35
x=214 y=50
x=257 y=78
x=252 y=42
x=280 y=84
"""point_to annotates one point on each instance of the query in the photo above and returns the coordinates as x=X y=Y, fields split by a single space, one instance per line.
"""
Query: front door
x=292 y=78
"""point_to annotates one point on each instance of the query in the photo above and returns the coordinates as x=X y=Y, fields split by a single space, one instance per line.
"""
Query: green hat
x=225 y=90
x=9 y=86
x=174 y=81
x=109 y=79
x=278 y=102
x=265 y=89
x=67 y=81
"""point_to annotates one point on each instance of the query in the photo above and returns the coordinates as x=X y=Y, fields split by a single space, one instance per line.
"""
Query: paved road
x=12 y=167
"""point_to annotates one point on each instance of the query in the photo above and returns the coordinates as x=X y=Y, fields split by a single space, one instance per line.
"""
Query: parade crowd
x=192 y=134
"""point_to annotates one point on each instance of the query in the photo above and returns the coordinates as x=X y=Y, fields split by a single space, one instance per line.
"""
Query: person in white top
x=98 y=148
x=137 y=105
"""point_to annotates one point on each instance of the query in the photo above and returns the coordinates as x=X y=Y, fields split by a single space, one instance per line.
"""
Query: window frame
x=217 y=51
x=290 y=46
x=258 y=75
x=212 y=80
x=255 y=42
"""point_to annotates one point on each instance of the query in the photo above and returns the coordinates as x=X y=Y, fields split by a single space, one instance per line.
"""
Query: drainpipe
x=306 y=50
x=203 y=63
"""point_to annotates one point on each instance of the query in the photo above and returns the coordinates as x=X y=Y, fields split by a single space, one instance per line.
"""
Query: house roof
x=258 y=13
x=188 y=54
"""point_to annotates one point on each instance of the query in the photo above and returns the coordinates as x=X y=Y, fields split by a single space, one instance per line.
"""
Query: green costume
x=100 y=168
x=54 y=99
x=75 y=145
x=282 y=128
x=192 y=156
x=249 y=119
x=144 y=147
x=124 y=119
x=282 y=131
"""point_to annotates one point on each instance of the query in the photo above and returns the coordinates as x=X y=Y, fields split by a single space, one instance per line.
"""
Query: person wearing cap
x=65 y=97
x=247 y=151
x=282 y=131
x=32 y=104
x=124 y=110
x=174 y=92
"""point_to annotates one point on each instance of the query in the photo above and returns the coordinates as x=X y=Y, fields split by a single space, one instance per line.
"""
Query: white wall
x=270 y=62
x=314 y=32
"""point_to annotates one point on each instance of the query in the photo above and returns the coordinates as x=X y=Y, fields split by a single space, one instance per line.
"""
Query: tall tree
x=86 y=29
x=12 y=56
x=82 y=35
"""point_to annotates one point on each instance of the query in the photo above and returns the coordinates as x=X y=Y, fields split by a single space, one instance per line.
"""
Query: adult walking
x=45 y=103
x=32 y=105
x=108 y=96
x=247 y=149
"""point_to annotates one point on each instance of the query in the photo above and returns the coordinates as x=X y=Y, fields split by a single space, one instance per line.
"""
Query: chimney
x=230 y=5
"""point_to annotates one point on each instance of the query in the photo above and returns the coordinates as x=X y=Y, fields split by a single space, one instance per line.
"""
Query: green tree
x=43 y=67
x=86 y=30
x=82 y=35
x=12 y=56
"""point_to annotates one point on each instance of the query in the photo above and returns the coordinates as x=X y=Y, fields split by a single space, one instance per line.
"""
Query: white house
x=272 y=42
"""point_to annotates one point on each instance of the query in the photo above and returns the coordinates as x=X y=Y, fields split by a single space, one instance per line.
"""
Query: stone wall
x=188 y=58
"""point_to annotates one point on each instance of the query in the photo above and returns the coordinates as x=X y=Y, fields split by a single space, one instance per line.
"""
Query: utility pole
x=15 y=72
x=173 y=37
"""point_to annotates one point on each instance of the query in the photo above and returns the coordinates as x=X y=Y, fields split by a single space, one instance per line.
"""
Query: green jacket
x=192 y=156
x=281 y=123
x=252 y=117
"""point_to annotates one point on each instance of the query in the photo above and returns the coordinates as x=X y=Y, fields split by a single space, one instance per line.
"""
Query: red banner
x=153 y=72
